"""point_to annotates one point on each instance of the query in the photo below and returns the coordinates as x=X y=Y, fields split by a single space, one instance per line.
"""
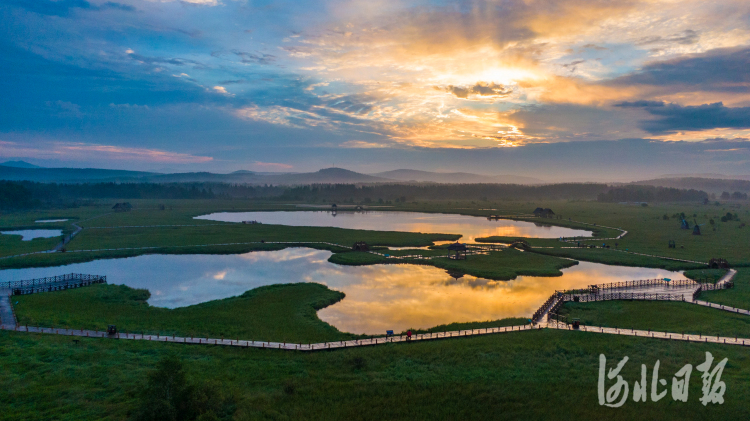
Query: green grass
x=524 y=375
x=648 y=232
x=285 y=312
x=620 y=258
x=738 y=297
x=705 y=275
x=12 y=244
x=500 y=265
x=661 y=316
x=181 y=240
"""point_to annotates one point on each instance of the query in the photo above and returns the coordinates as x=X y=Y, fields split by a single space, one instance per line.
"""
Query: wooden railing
x=585 y=298
x=52 y=283
x=545 y=308
x=640 y=283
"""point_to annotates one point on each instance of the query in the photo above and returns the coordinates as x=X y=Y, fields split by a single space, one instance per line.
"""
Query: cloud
x=360 y=144
x=255 y=58
x=480 y=89
x=65 y=7
x=671 y=118
x=639 y=104
x=87 y=151
x=272 y=165
x=723 y=69
x=686 y=37
x=65 y=109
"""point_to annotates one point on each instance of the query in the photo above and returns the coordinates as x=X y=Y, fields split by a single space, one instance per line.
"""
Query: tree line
x=28 y=194
x=637 y=193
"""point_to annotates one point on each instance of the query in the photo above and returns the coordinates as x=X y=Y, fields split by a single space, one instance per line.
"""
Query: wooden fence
x=546 y=307
x=53 y=283
x=593 y=289
x=585 y=298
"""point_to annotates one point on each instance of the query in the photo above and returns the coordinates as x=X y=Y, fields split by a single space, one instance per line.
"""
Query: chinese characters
x=617 y=394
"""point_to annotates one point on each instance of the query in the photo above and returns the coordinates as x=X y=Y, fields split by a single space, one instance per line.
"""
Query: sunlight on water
x=378 y=297
x=470 y=227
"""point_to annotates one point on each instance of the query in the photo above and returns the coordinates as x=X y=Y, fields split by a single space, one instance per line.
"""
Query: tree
x=170 y=396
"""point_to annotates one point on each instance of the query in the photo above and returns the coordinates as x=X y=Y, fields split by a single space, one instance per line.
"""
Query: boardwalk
x=7 y=316
x=273 y=345
x=322 y=346
x=647 y=290
x=655 y=335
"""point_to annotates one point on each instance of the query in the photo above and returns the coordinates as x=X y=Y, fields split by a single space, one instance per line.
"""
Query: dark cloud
x=640 y=104
x=118 y=6
x=166 y=60
x=573 y=65
x=686 y=37
x=594 y=47
x=723 y=69
x=65 y=7
x=259 y=58
x=672 y=117
x=480 y=89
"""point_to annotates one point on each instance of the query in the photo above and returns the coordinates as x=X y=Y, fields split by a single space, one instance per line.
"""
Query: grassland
x=649 y=232
x=285 y=312
x=659 y=316
x=525 y=375
x=738 y=297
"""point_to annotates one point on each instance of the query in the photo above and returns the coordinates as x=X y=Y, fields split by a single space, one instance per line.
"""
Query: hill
x=69 y=175
x=19 y=164
x=710 y=185
x=455 y=177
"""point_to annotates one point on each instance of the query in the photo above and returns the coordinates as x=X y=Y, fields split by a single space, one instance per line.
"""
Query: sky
x=601 y=90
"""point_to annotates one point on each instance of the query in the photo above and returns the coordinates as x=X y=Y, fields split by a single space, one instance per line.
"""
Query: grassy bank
x=285 y=312
x=501 y=265
x=524 y=375
x=660 y=316
x=739 y=296
x=619 y=258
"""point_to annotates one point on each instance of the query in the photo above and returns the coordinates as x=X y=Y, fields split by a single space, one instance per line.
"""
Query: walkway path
x=378 y=341
x=653 y=334
x=67 y=239
x=272 y=345
x=722 y=307
x=7 y=316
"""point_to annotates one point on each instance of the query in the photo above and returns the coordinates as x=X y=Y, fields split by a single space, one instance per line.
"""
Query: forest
x=28 y=194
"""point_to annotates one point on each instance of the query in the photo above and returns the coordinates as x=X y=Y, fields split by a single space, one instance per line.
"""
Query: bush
x=170 y=396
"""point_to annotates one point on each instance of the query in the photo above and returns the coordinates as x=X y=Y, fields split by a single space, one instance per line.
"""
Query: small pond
x=470 y=227
x=44 y=221
x=28 y=235
x=378 y=297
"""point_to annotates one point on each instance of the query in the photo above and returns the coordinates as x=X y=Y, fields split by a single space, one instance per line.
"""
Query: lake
x=470 y=227
x=378 y=297
x=28 y=235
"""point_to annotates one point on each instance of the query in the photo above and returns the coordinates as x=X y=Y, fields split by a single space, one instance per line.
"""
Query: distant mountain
x=325 y=176
x=707 y=175
x=455 y=177
x=709 y=185
x=19 y=164
x=69 y=175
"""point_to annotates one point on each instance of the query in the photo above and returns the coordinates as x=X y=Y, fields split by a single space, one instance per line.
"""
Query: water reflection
x=28 y=235
x=378 y=298
x=470 y=227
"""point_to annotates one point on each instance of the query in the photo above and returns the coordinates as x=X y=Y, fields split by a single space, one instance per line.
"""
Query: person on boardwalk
x=408 y=335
